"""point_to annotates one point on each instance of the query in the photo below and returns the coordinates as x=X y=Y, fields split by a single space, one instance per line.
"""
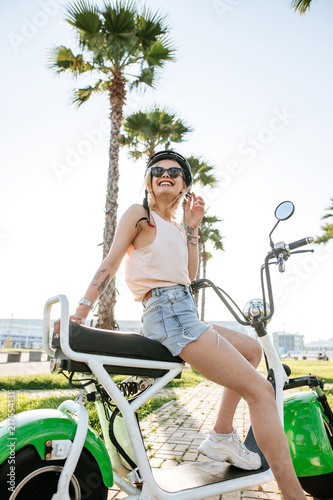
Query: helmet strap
x=146 y=206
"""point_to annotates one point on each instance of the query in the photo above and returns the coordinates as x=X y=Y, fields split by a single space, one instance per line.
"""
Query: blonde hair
x=151 y=200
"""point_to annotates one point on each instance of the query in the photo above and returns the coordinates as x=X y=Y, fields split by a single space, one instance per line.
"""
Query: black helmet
x=166 y=155
x=172 y=155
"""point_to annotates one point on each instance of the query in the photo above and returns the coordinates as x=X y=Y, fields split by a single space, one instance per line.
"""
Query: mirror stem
x=270 y=235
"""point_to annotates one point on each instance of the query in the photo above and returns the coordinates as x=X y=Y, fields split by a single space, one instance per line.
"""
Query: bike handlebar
x=300 y=243
x=274 y=253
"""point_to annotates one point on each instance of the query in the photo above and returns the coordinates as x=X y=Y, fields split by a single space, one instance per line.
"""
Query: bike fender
x=310 y=448
x=35 y=427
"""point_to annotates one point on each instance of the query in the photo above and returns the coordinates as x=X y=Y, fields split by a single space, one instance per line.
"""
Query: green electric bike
x=55 y=455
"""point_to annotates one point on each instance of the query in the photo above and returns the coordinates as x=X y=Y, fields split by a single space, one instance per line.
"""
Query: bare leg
x=252 y=352
x=216 y=359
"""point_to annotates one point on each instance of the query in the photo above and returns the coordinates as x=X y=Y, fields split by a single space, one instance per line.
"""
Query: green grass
x=39 y=381
x=299 y=368
x=190 y=378
x=26 y=401
x=49 y=381
x=302 y=367
x=322 y=369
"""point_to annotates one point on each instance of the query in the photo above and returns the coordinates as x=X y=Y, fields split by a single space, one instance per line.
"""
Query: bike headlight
x=255 y=309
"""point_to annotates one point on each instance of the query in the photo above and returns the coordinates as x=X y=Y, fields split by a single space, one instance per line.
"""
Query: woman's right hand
x=74 y=317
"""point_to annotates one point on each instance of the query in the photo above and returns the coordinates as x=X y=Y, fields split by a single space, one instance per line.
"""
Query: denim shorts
x=171 y=317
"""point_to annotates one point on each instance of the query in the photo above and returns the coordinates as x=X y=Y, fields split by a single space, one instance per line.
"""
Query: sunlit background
x=253 y=79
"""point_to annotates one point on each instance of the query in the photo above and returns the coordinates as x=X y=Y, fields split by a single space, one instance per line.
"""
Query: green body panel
x=310 y=448
x=35 y=427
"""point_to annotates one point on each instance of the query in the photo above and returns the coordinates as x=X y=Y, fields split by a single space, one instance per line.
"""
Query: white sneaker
x=230 y=449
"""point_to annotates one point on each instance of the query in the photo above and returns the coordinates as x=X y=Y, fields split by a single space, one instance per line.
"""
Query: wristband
x=194 y=240
x=86 y=302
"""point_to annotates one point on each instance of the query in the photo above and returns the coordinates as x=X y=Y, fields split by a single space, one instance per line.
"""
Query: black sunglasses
x=172 y=172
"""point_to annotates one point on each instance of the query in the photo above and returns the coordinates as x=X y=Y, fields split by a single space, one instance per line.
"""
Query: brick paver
x=173 y=433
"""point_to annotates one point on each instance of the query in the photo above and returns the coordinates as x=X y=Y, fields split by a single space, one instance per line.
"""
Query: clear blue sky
x=253 y=79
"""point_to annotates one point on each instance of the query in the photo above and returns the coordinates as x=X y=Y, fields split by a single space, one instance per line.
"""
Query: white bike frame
x=148 y=489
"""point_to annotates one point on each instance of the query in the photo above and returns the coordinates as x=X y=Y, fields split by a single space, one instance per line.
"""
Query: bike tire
x=320 y=487
x=37 y=479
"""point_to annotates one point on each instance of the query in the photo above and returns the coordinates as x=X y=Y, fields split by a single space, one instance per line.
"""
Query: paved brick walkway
x=173 y=433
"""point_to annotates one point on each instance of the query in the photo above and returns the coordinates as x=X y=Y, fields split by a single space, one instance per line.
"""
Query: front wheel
x=309 y=432
x=37 y=479
x=318 y=486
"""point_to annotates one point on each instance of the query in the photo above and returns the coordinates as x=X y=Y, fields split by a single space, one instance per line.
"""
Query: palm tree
x=301 y=6
x=327 y=228
x=146 y=131
x=122 y=49
x=202 y=173
x=207 y=234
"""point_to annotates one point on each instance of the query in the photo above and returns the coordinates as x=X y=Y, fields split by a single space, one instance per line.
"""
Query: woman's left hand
x=194 y=211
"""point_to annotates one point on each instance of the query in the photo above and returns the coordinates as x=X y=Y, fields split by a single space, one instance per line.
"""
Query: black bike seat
x=114 y=343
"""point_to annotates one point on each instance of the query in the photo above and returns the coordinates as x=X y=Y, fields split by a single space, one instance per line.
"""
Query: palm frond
x=329 y=210
x=210 y=219
x=165 y=125
x=300 y=6
x=144 y=131
x=119 y=20
x=159 y=52
x=180 y=129
x=146 y=77
x=328 y=234
x=82 y=95
x=202 y=172
x=327 y=228
x=136 y=122
x=84 y=16
x=150 y=27
x=62 y=58
x=114 y=37
x=209 y=233
x=136 y=154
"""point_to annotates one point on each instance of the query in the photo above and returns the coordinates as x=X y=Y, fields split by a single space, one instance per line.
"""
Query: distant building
x=320 y=346
x=27 y=333
x=288 y=342
x=21 y=333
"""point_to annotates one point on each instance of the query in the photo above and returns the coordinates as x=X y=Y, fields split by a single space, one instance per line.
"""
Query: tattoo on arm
x=190 y=231
x=104 y=284
x=97 y=276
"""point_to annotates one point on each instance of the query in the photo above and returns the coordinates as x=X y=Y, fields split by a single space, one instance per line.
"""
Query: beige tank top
x=164 y=262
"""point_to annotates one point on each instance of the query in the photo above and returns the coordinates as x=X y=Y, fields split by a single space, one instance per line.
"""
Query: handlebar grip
x=300 y=243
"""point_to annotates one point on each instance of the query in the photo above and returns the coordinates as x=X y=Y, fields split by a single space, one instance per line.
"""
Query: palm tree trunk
x=203 y=291
x=151 y=151
x=201 y=249
x=117 y=93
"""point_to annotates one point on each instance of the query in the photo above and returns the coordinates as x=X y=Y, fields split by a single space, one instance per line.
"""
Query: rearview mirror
x=284 y=210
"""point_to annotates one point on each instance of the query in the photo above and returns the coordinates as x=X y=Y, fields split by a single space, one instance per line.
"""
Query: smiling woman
x=161 y=260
